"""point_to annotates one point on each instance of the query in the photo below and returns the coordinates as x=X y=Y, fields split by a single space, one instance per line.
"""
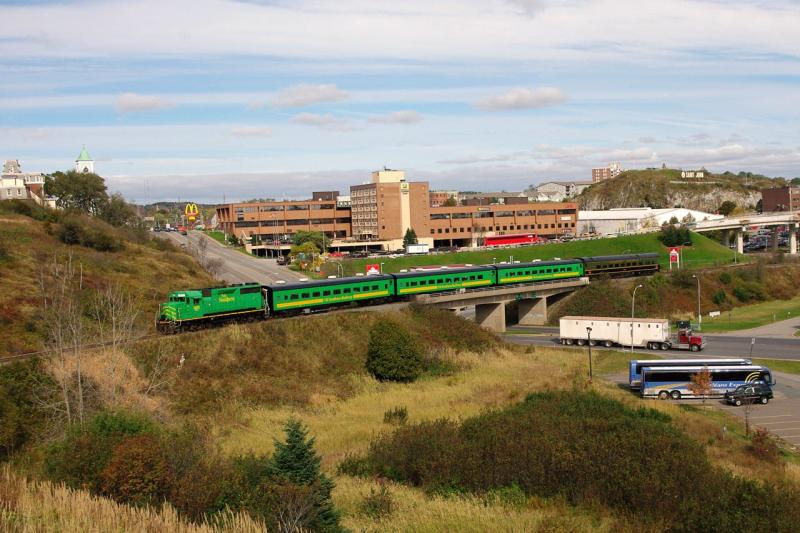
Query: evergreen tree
x=297 y=462
x=410 y=237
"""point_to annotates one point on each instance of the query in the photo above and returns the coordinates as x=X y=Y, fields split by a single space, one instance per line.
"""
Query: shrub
x=23 y=385
x=725 y=278
x=586 y=449
x=378 y=503
x=764 y=447
x=392 y=353
x=397 y=415
x=137 y=472
x=719 y=297
x=79 y=458
x=70 y=232
x=742 y=293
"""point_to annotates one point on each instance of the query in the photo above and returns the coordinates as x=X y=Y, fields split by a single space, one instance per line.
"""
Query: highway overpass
x=736 y=226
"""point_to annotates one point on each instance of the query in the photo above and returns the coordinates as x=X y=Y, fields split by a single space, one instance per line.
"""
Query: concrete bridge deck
x=738 y=225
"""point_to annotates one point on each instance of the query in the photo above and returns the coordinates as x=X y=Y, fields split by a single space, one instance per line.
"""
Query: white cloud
x=527 y=7
x=522 y=98
x=305 y=95
x=251 y=131
x=136 y=103
x=325 y=121
x=397 y=117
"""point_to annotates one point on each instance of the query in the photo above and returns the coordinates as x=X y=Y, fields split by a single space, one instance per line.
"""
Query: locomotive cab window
x=293 y=297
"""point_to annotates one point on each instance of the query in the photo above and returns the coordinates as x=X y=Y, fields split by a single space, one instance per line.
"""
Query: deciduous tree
x=701 y=384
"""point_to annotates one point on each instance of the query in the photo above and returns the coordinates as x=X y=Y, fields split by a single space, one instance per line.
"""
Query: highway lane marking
x=770 y=416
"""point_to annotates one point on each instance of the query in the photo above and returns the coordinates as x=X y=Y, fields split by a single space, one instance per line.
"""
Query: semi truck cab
x=687 y=340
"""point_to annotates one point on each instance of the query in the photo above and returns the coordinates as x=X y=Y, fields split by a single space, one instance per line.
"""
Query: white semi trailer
x=651 y=333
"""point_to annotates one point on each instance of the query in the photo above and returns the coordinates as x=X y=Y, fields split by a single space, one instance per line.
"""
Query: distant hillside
x=664 y=188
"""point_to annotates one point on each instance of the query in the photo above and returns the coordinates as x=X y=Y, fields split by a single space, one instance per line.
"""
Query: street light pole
x=633 y=306
x=589 y=335
x=699 y=316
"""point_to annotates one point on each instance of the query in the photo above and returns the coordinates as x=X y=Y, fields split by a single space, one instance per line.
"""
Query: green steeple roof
x=84 y=155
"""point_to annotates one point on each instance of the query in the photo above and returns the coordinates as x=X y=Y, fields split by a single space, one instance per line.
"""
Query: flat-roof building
x=780 y=199
x=377 y=214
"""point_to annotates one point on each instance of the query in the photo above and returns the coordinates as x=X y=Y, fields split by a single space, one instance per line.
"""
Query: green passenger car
x=192 y=306
x=444 y=279
x=309 y=294
x=538 y=271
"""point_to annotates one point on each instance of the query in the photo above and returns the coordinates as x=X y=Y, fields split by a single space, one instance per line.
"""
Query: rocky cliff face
x=665 y=189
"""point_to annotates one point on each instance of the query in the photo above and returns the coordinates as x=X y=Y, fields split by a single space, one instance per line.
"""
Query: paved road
x=236 y=266
x=718 y=345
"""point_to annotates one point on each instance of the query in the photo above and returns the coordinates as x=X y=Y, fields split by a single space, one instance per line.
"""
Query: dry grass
x=494 y=379
x=28 y=507
x=416 y=511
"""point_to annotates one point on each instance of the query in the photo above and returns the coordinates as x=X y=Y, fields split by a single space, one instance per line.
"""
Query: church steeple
x=84 y=163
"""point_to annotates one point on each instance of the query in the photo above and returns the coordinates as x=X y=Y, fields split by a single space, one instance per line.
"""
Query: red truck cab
x=687 y=340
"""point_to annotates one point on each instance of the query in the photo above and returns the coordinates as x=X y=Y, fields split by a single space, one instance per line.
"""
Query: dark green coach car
x=325 y=292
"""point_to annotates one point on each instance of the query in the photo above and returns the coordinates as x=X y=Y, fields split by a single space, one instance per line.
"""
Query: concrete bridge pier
x=726 y=238
x=532 y=311
x=774 y=239
x=740 y=240
x=793 y=239
x=491 y=316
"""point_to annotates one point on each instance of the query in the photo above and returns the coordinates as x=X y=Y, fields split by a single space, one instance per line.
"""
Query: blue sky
x=207 y=100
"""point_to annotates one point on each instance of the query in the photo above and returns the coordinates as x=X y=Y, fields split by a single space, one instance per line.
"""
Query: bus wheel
x=664 y=346
x=764 y=400
x=675 y=395
x=737 y=402
x=663 y=395
x=694 y=347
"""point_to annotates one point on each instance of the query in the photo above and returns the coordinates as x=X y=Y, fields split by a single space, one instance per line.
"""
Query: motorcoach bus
x=636 y=366
x=673 y=381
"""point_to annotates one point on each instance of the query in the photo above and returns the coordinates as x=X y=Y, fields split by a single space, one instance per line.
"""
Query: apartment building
x=438 y=198
x=606 y=173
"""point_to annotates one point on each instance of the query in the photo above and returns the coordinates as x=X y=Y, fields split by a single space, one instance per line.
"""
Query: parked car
x=750 y=393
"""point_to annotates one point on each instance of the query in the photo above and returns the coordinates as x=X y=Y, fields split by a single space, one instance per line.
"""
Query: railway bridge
x=490 y=302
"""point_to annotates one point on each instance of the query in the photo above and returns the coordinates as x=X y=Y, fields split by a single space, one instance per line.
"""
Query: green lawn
x=753 y=316
x=704 y=252
x=217 y=236
x=780 y=365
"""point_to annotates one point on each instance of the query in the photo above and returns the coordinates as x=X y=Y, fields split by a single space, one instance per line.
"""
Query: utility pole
x=633 y=306
x=699 y=316
x=589 y=335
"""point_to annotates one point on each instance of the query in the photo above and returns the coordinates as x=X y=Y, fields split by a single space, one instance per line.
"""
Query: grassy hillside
x=146 y=268
x=704 y=252
x=664 y=188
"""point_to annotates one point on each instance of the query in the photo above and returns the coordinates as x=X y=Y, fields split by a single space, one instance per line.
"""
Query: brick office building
x=780 y=199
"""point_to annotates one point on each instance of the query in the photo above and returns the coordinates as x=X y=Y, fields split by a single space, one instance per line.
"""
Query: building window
x=439 y=230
